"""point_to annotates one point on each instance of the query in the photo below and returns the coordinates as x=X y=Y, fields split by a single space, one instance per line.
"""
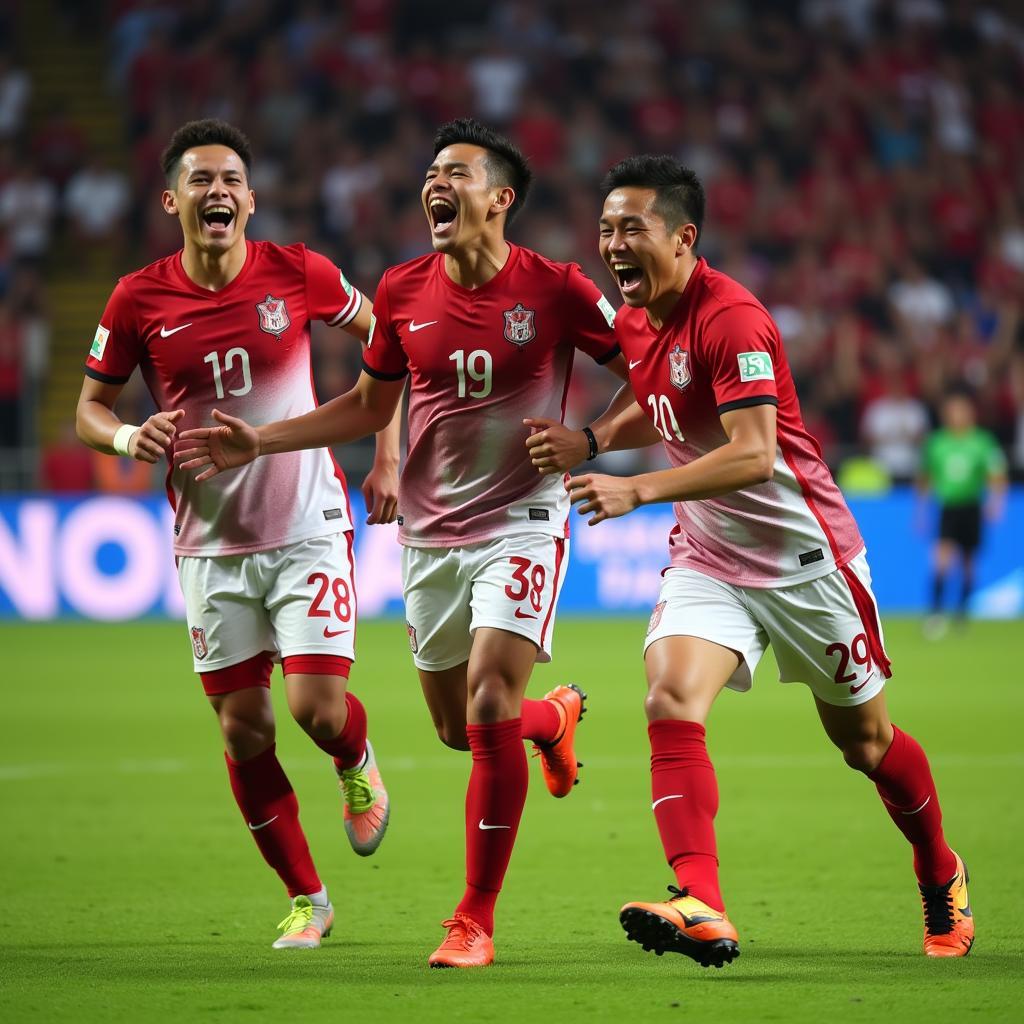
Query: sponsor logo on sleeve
x=519 y=325
x=274 y=318
x=99 y=343
x=345 y=284
x=755 y=366
x=607 y=310
x=679 y=367
x=373 y=327
x=199 y=645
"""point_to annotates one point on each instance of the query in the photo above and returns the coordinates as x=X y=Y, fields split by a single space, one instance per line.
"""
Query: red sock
x=349 y=746
x=904 y=782
x=271 y=810
x=685 y=796
x=494 y=804
x=541 y=721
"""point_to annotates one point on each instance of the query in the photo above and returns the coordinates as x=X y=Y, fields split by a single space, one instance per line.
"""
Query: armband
x=591 y=442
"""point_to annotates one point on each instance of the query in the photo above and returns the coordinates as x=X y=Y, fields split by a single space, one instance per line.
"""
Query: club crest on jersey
x=655 y=622
x=413 y=644
x=199 y=642
x=679 y=367
x=519 y=327
x=274 y=318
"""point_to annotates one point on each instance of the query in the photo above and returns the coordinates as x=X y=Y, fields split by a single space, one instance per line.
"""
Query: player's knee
x=491 y=698
x=245 y=738
x=322 y=721
x=864 y=754
x=452 y=736
x=672 y=698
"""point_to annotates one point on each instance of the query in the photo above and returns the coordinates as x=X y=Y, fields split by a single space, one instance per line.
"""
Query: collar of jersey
x=683 y=303
x=513 y=258
x=221 y=293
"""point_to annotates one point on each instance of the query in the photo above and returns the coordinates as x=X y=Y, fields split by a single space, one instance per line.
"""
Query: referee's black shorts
x=961 y=525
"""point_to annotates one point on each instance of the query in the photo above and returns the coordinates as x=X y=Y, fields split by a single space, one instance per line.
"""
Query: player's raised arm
x=746 y=459
x=365 y=409
x=99 y=426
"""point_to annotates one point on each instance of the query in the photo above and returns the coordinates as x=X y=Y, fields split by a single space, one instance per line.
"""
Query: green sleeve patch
x=606 y=308
x=755 y=366
x=99 y=343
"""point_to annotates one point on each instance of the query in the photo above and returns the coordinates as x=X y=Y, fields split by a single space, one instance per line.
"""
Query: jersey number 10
x=232 y=356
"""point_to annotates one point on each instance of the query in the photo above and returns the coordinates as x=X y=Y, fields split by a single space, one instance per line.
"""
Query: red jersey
x=720 y=350
x=481 y=360
x=245 y=350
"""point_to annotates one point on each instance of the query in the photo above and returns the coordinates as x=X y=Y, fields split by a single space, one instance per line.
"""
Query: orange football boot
x=465 y=945
x=558 y=759
x=948 y=922
x=684 y=925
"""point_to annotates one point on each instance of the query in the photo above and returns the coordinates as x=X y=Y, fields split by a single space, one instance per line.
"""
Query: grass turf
x=131 y=892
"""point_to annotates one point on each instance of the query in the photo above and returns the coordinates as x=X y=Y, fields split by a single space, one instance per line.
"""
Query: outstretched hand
x=214 y=449
x=553 y=447
x=608 y=497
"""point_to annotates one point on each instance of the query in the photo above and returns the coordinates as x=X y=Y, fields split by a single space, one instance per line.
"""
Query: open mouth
x=442 y=214
x=629 y=276
x=218 y=218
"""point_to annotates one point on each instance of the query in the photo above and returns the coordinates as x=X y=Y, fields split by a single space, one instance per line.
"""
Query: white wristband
x=123 y=437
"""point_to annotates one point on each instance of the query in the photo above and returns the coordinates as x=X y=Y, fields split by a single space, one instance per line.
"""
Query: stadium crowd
x=862 y=162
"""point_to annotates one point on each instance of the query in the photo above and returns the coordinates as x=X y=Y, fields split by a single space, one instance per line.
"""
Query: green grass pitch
x=130 y=890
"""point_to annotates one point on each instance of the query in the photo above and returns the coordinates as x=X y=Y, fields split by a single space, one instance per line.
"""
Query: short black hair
x=679 y=195
x=505 y=163
x=207 y=132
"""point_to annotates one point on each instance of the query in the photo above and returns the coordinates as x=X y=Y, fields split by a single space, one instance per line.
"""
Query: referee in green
x=961 y=462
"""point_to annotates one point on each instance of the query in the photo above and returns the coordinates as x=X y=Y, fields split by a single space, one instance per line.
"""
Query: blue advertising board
x=109 y=558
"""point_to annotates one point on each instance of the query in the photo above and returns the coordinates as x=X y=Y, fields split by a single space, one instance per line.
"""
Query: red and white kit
x=481 y=360
x=245 y=350
x=719 y=351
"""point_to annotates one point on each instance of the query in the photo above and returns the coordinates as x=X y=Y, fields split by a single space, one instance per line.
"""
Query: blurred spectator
x=96 y=201
x=921 y=304
x=28 y=205
x=15 y=90
x=894 y=425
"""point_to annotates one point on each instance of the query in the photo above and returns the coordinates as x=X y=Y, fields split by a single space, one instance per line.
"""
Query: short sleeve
x=383 y=356
x=329 y=296
x=589 y=317
x=116 y=346
x=740 y=348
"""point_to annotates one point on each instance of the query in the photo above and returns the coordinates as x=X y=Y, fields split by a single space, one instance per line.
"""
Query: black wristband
x=591 y=442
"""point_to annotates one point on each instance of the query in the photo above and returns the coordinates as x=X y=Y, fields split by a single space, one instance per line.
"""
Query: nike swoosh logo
x=256 y=828
x=524 y=615
x=414 y=327
x=328 y=633
x=661 y=800
x=854 y=690
x=164 y=333
x=485 y=827
x=634 y=362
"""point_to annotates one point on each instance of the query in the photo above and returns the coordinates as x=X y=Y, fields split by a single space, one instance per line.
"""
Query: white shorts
x=825 y=633
x=511 y=583
x=298 y=599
